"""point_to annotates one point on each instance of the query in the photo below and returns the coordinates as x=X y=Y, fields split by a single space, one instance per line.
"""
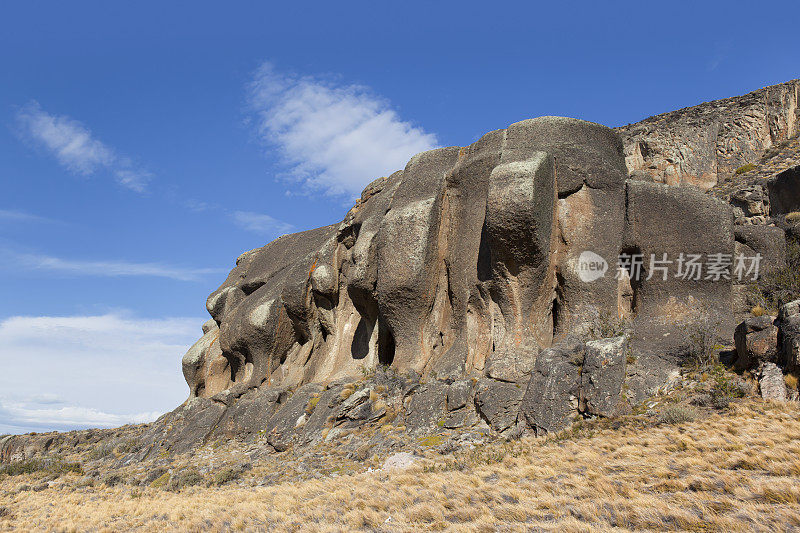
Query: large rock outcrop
x=461 y=275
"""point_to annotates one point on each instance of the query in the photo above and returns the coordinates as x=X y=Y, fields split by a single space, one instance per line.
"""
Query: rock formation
x=497 y=284
x=474 y=276
x=548 y=272
x=699 y=145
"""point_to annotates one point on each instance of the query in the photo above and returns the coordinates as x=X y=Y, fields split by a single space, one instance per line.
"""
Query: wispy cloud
x=260 y=223
x=198 y=206
x=13 y=215
x=135 y=180
x=74 y=147
x=91 y=371
x=104 y=268
x=334 y=138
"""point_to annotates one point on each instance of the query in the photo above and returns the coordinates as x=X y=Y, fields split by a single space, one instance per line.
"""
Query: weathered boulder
x=498 y=402
x=602 y=376
x=789 y=335
x=771 y=383
x=784 y=192
x=184 y=428
x=204 y=365
x=248 y=415
x=668 y=227
x=767 y=241
x=511 y=367
x=447 y=268
x=748 y=202
x=285 y=426
x=682 y=280
x=756 y=342
x=459 y=394
x=551 y=397
x=426 y=407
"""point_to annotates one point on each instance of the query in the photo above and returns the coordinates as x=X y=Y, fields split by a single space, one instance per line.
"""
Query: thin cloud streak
x=105 y=268
x=13 y=215
x=260 y=223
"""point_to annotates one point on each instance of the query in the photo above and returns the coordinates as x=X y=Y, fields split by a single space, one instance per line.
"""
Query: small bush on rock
x=605 y=325
x=161 y=481
x=113 y=480
x=226 y=475
x=186 y=478
x=676 y=414
x=701 y=337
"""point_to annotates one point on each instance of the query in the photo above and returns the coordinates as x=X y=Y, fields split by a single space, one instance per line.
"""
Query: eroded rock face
x=454 y=263
x=461 y=275
x=698 y=145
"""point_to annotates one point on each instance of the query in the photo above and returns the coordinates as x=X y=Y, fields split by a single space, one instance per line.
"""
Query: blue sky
x=144 y=145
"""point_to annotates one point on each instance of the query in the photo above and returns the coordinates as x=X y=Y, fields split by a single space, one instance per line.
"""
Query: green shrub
x=18 y=468
x=161 y=481
x=63 y=467
x=112 y=480
x=226 y=475
x=186 y=478
x=31 y=466
x=128 y=446
x=745 y=168
x=312 y=404
x=726 y=383
x=101 y=451
x=676 y=414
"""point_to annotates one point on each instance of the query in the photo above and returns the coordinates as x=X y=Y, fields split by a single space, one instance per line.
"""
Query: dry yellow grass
x=734 y=472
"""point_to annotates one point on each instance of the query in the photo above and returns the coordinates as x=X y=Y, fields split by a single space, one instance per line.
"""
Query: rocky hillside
x=704 y=144
x=547 y=273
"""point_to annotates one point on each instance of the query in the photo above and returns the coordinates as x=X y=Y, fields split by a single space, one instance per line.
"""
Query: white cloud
x=73 y=146
x=69 y=141
x=335 y=138
x=104 y=268
x=90 y=371
x=260 y=223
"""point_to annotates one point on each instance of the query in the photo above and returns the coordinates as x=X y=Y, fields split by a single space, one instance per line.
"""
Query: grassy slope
x=739 y=470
